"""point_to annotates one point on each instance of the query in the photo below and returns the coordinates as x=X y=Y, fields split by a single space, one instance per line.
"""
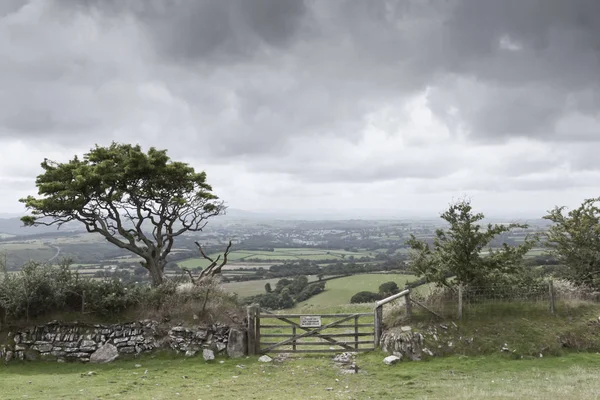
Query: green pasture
x=252 y=288
x=339 y=291
x=571 y=377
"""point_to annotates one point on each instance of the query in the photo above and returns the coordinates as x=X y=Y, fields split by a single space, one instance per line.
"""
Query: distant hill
x=14 y=226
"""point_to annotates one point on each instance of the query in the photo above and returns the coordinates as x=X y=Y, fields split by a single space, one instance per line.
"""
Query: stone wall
x=402 y=342
x=101 y=343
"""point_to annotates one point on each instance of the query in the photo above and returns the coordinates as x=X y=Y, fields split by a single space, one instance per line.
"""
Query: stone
x=406 y=329
x=343 y=358
x=406 y=343
x=31 y=355
x=391 y=360
x=221 y=346
x=427 y=351
x=265 y=359
x=88 y=349
x=191 y=353
x=104 y=354
x=127 y=350
x=237 y=343
x=88 y=343
x=208 y=354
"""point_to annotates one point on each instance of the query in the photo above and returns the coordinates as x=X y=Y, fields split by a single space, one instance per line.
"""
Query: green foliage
x=287 y=293
x=457 y=250
x=574 y=240
x=123 y=193
x=40 y=290
x=268 y=288
x=388 y=288
x=365 y=297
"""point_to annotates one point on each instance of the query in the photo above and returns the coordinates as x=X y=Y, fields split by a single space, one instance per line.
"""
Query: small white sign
x=310 y=321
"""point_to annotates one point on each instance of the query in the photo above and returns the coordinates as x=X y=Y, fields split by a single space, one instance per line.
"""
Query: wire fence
x=478 y=302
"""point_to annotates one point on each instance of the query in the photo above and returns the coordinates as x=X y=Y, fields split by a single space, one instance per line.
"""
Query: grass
x=526 y=328
x=339 y=291
x=278 y=255
x=251 y=288
x=573 y=376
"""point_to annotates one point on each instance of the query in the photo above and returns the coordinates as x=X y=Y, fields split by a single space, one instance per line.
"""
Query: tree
x=457 y=251
x=268 y=288
x=388 y=288
x=574 y=240
x=138 y=201
x=365 y=297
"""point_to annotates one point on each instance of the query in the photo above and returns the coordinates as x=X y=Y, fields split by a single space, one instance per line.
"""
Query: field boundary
x=345 y=332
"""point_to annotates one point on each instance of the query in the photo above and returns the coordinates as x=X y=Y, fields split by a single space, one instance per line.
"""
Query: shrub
x=388 y=288
x=42 y=291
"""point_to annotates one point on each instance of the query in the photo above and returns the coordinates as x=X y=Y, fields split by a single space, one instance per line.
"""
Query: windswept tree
x=138 y=201
x=574 y=240
x=459 y=250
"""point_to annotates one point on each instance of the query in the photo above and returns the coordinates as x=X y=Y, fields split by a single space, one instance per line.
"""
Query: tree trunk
x=156 y=271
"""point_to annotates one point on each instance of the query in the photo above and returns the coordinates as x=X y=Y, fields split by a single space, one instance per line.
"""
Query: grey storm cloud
x=213 y=31
x=249 y=79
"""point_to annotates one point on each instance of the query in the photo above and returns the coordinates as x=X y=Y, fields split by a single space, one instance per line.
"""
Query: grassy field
x=339 y=291
x=279 y=254
x=251 y=288
x=573 y=376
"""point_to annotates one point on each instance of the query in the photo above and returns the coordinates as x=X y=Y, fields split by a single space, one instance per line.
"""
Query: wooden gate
x=309 y=333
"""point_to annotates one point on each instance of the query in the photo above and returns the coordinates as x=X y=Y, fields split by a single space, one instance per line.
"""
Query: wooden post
x=251 y=330
x=294 y=334
x=257 y=324
x=551 y=294
x=83 y=302
x=460 y=301
x=378 y=324
x=356 y=332
x=408 y=306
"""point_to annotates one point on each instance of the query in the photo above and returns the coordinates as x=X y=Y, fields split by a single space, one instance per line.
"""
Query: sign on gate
x=310 y=321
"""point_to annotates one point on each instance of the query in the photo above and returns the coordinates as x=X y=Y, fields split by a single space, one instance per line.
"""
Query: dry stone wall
x=102 y=343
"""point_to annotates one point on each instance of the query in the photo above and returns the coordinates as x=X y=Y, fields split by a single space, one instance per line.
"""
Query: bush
x=388 y=288
x=42 y=291
x=365 y=297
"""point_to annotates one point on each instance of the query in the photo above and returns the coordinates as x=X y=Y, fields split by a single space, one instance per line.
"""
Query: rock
x=127 y=350
x=406 y=343
x=343 y=358
x=31 y=355
x=427 y=351
x=237 y=343
x=105 y=354
x=505 y=347
x=208 y=354
x=191 y=353
x=221 y=346
x=265 y=359
x=9 y=356
x=406 y=329
x=391 y=360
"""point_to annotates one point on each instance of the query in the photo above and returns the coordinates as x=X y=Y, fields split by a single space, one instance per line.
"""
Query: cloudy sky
x=363 y=107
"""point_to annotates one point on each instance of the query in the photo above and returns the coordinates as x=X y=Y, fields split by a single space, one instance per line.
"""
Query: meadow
x=339 y=291
x=573 y=376
x=278 y=255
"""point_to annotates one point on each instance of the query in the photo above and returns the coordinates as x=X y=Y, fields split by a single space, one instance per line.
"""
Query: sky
x=356 y=107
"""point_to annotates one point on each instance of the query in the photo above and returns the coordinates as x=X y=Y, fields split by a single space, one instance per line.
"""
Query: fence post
x=551 y=296
x=460 y=301
x=251 y=330
x=408 y=306
x=257 y=324
x=83 y=302
x=378 y=324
